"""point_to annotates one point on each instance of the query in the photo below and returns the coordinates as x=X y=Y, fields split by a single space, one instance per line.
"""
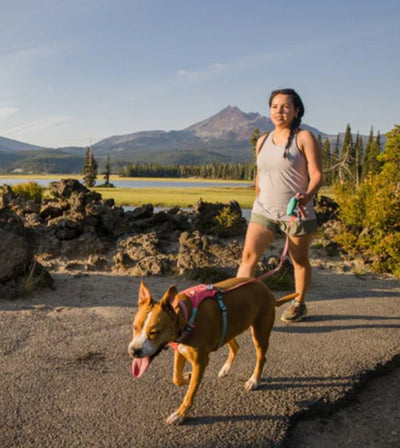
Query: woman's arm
x=311 y=150
x=259 y=144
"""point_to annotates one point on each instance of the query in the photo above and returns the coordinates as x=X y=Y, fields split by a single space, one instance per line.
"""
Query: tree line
x=232 y=171
x=347 y=161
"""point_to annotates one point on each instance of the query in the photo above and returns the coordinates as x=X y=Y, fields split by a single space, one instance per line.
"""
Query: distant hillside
x=224 y=137
x=6 y=145
x=48 y=161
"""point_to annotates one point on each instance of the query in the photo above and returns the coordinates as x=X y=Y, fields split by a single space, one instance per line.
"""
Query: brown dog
x=156 y=324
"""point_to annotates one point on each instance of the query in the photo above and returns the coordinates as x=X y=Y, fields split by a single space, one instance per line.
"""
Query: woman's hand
x=303 y=198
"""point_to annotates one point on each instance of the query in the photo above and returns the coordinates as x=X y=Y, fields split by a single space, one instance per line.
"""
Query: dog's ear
x=168 y=298
x=144 y=298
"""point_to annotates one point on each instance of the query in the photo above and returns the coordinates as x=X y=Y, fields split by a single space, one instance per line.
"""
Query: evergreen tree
x=335 y=161
x=319 y=140
x=368 y=156
x=358 y=152
x=89 y=169
x=376 y=163
x=391 y=156
x=326 y=162
x=347 y=164
x=107 y=173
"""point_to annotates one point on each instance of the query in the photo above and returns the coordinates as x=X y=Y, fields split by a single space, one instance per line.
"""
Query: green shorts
x=298 y=228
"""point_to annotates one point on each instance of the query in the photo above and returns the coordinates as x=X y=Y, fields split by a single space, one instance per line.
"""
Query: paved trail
x=65 y=374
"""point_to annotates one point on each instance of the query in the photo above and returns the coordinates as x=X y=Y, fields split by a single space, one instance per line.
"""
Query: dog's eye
x=153 y=332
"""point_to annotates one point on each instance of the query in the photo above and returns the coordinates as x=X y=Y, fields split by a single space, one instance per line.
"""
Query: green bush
x=228 y=223
x=29 y=190
x=371 y=213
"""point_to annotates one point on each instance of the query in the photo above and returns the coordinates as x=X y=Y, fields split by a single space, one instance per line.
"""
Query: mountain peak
x=230 y=109
x=229 y=122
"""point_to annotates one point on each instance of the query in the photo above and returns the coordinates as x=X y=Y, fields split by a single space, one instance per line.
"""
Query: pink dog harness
x=197 y=294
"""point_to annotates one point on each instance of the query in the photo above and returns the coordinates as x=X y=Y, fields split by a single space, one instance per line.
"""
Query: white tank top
x=280 y=178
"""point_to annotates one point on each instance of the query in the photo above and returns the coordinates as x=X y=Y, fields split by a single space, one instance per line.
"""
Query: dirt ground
x=373 y=420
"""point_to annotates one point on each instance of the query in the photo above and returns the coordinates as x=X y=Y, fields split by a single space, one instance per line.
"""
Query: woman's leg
x=298 y=249
x=257 y=239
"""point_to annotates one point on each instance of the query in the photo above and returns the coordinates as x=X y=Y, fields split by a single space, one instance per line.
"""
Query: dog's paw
x=175 y=419
x=225 y=369
x=251 y=384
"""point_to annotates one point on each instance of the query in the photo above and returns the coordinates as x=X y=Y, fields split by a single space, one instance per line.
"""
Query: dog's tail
x=282 y=300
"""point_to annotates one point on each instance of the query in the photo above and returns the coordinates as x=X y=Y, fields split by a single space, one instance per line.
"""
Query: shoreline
x=117 y=177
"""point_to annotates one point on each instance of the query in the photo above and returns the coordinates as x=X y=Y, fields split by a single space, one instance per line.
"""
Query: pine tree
x=89 y=169
x=368 y=155
x=347 y=171
x=391 y=156
x=376 y=163
x=326 y=162
x=335 y=159
x=107 y=173
x=358 y=152
x=319 y=140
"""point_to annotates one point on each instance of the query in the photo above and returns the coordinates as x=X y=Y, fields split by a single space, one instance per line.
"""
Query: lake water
x=128 y=183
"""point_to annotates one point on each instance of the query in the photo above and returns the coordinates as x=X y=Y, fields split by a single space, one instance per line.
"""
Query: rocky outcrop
x=219 y=219
x=203 y=257
x=143 y=255
x=19 y=271
x=77 y=225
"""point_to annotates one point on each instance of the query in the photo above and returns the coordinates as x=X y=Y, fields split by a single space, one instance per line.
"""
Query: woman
x=288 y=164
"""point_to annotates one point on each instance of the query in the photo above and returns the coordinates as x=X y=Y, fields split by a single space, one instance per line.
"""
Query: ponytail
x=294 y=128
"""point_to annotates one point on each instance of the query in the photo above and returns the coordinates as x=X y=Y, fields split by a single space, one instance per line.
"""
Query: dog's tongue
x=140 y=365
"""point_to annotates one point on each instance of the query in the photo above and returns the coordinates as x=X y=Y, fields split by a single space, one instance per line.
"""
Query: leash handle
x=291 y=207
x=294 y=205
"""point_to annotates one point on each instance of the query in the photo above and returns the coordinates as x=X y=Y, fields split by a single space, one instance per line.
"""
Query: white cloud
x=30 y=127
x=208 y=72
x=187 y=73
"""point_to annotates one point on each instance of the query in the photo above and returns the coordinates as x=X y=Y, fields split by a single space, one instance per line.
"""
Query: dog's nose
x=134 y=352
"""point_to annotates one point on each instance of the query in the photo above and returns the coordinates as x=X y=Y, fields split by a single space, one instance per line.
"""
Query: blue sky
x=76 y=71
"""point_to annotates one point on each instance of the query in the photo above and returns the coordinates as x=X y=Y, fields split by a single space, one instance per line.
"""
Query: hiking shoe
x=294 y=313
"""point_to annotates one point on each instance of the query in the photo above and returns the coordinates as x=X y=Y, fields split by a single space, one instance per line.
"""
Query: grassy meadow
x=177 y=197
x=163 y=197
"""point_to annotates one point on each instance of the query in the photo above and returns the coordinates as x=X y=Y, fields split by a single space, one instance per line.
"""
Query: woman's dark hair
x=298 y=105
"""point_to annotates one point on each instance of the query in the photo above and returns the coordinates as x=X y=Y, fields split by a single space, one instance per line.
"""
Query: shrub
x=371 y=217
x=371 y=213
x=30 y=190
x=227 y=223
